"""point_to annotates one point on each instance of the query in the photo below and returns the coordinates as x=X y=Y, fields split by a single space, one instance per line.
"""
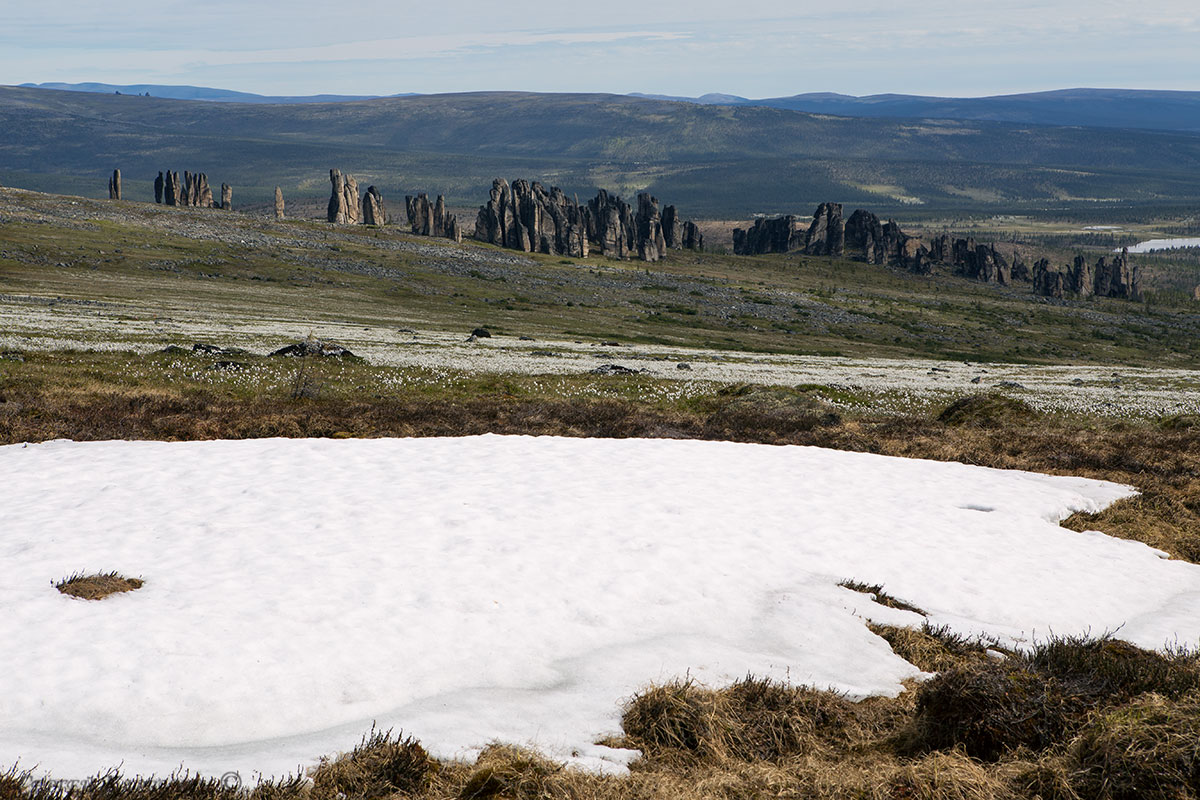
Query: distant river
x=1161 y=244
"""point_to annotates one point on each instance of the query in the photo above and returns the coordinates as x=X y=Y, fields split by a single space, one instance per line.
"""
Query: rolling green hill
x=711 y=160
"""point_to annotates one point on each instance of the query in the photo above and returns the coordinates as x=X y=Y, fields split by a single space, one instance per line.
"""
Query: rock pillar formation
x=226 y=197
x=278 y=203
x=373 y=212
x=336 y=213
x=114 y=185
x=158 y=188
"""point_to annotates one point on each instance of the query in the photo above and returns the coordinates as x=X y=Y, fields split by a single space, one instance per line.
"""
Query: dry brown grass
x=932 y=649
x=97 y=586
x=379 y=766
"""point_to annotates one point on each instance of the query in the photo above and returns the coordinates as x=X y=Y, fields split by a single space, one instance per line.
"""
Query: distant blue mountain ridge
x=1105 y=108
x=200 y=93
x=1089 y=108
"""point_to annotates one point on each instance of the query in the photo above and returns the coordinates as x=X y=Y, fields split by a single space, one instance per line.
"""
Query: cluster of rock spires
x=1116 y=278
x=192 y=190
x=864 y=237
x=346 y=207
x=525 y=216
x=431 y=219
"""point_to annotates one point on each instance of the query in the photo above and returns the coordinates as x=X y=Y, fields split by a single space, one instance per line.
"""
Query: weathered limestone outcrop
x=651 y=245
x=352 y=203
x=373 y=212
x=778 y=235
x=226 y=197
x=278 y=203
x=114 y=185
x=1047 y=282
x=431 y=219
x=826 y=234
x=1020 y=270
x=525 y=216
x=159 y=185
x=1117 y=278
x=336 y=211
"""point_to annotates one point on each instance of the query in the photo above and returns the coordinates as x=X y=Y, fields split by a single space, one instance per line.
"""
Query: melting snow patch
x=487 y=588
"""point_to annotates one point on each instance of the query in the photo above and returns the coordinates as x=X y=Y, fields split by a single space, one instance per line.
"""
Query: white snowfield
x=518 y=589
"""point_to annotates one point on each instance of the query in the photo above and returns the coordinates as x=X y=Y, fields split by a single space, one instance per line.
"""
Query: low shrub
x=988 y=709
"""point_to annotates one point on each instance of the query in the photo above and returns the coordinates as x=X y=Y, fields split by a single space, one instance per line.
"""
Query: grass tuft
x=1146 y=750
x=879 y=595
x=97 y=586
x=509 y=772
x=933 y=649
x=381 y=765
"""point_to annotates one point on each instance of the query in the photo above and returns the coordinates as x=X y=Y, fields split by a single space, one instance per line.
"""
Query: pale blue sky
x=760 y=49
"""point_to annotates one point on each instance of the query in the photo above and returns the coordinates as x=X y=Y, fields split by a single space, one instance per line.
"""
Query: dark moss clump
x=770 y=411
x=987 y=411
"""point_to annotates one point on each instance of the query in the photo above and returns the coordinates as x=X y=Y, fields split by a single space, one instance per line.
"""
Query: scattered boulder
x=313 y=347
x=613 y=369
x=481 y=333
x=278 y=203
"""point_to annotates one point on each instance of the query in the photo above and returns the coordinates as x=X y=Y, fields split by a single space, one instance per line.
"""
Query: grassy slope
x=709 y=159
x=309 y=271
